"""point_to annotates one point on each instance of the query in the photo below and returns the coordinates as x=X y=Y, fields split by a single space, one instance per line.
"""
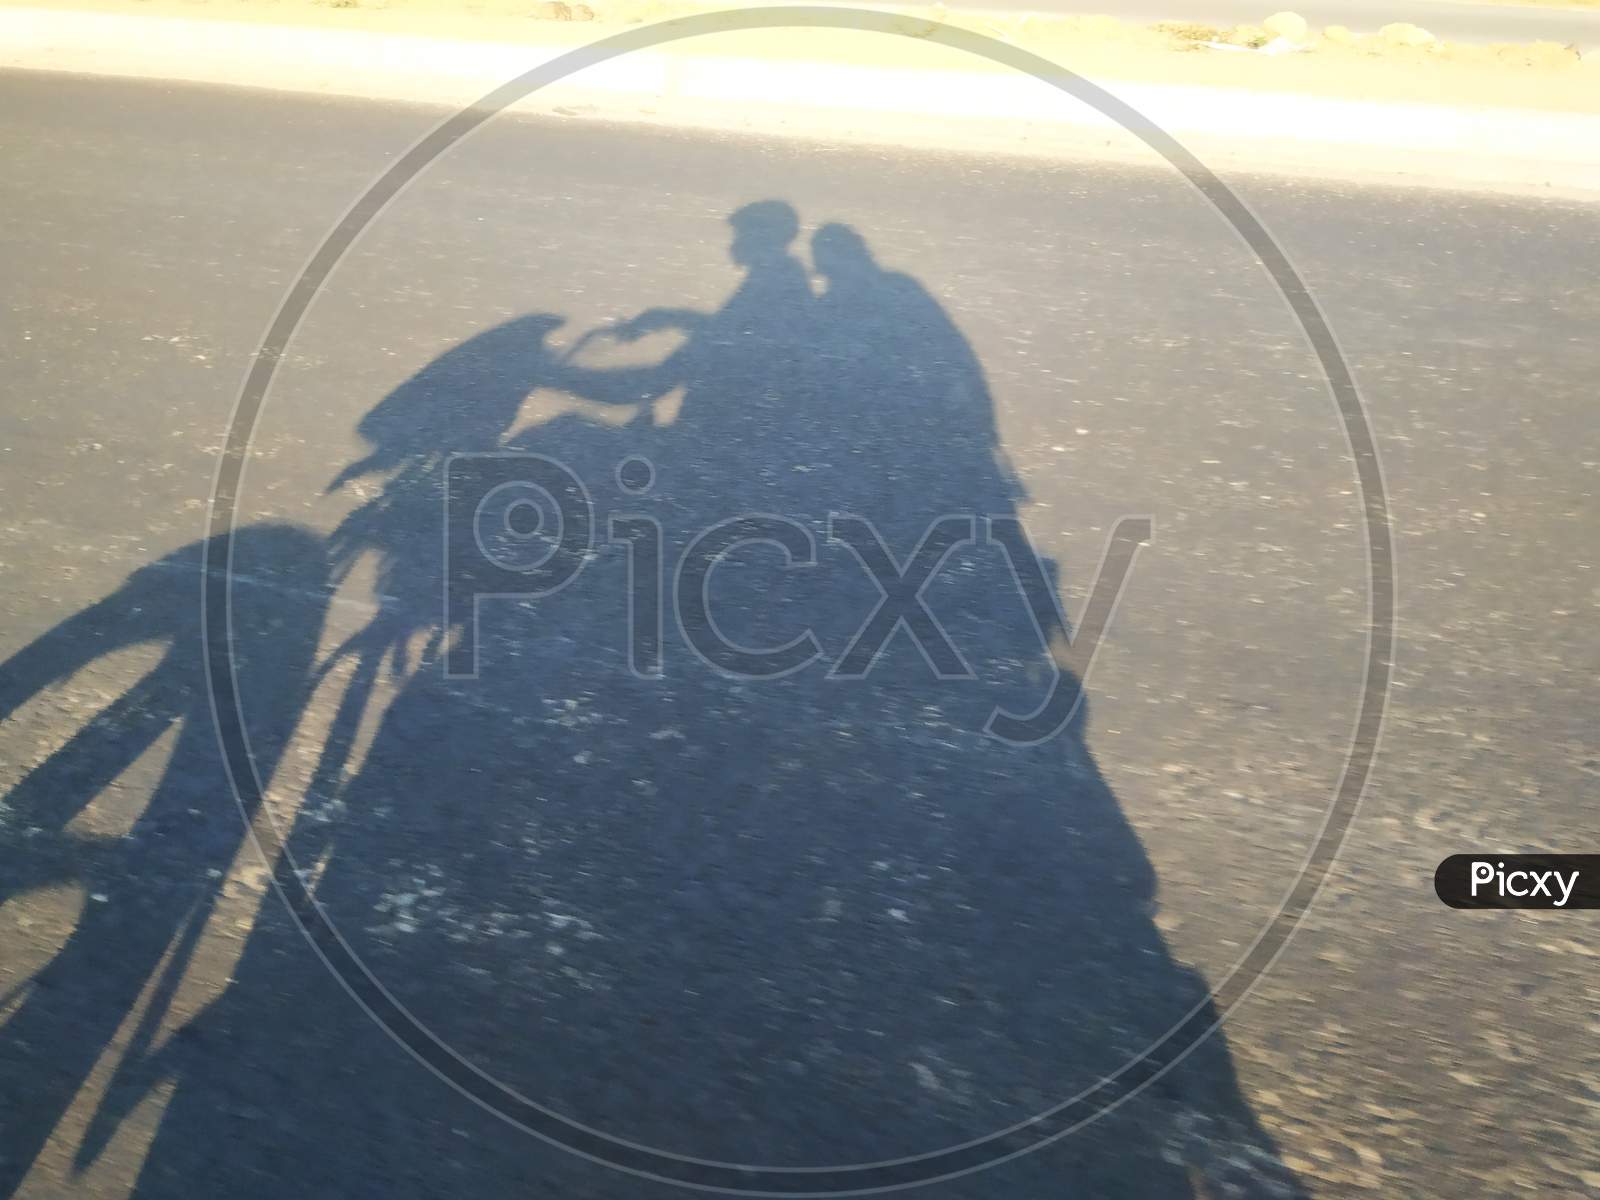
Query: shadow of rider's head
x=762 y=233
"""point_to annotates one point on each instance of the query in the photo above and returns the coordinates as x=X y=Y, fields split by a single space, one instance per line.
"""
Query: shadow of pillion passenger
x=153 y=871
x=713 y=853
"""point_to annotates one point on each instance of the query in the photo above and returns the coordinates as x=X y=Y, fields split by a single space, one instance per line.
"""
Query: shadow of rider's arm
x=637 y=384
x=622 y=385
x=687 y=321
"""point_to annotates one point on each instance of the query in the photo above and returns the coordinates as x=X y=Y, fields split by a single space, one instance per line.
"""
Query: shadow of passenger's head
x=840 y=254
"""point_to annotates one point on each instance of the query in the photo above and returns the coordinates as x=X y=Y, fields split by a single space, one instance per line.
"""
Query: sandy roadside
x=1541 y=77
x=1419 y=115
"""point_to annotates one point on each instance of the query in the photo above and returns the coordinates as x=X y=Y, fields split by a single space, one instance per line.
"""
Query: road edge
x=1482 y=149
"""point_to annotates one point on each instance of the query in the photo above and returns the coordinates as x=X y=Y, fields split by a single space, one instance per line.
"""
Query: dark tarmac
x=806 y=921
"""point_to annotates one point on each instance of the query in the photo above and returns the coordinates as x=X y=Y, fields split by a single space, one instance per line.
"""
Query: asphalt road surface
x=626 y=892
x=1450 y=20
